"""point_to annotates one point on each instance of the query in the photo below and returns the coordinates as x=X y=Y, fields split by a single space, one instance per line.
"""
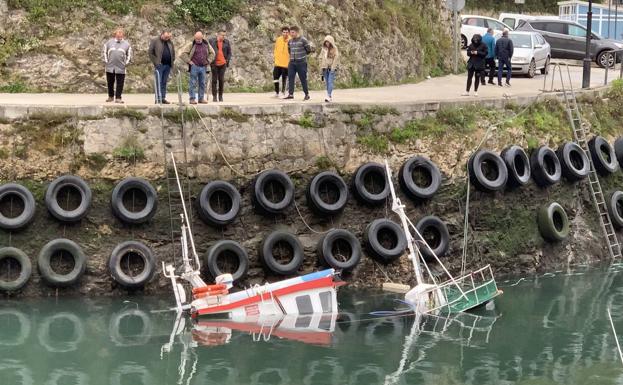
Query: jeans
x=501 y=63
x=163 y=74
x=297 y=67
x=329 y=78
x=218 y=76
x=111 y=78
x=197 y=77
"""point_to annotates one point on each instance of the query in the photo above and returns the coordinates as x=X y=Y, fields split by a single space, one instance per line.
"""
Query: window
x=303 y=321
x=325 y=301
x=325 y=322
x=303 y=303
x=509 y=21
x=495 y=25
x=475 y=22
x=552 y=27
x=577 y=31
x=540 y=39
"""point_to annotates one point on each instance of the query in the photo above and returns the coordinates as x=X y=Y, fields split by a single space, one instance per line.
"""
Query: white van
x=513 y=19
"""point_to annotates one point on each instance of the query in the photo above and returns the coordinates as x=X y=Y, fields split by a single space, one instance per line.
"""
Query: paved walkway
x=447 y=88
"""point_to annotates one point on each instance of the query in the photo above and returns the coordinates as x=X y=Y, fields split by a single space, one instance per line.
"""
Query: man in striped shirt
x=298 y=48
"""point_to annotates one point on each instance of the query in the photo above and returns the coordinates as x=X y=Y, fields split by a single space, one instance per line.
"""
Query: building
x=606 y=21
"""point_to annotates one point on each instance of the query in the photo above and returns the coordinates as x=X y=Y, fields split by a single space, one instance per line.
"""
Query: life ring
x=426 y=185
x=327 y=193
x=573 y=161
x=603 y=156
x=218 y=203
x=518 y=166
x=147 y=196
x=8 y=194
x=273 y=192
x=370 y=185
x=211 y=289
x=66 y=185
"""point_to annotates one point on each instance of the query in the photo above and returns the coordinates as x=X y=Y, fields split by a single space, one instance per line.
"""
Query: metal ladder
x=580 y=133
x=174 y=142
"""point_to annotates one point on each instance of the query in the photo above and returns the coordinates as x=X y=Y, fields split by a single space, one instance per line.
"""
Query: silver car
x=531 y=53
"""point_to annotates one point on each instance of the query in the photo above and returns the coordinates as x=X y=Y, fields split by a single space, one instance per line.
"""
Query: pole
x=455 y=43
x=616 y=18
x=586 y=72
x=609 y=16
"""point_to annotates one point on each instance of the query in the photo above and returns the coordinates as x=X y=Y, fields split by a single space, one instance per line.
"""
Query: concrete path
x=447 y=88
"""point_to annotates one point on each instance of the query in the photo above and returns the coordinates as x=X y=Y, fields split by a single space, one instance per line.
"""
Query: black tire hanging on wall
x=370 y=184
x=615 y=208
x=139 y=256
x=518 y=166
x=146 y=192
x=384 y=240
x=553 y=222
x=223 y=249
x=487 y=171
x=68 y=184
x=573 y=161
x=603 y=156
x=281 y=238
x=546 y=169
x=426 y=170
x=436 y=234
x=218 y=203
x=618 y=150
x=281 y=191
x=68 y=248
x=339 y=249
x=10 y=194
x=25 y=268
x=327 y=193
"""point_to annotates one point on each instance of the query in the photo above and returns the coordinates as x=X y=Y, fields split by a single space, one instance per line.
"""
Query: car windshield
x=521 y=41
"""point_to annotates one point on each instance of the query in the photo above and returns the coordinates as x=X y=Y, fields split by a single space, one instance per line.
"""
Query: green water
x=548 y=330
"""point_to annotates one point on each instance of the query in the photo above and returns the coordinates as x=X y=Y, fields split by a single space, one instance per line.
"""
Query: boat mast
x=399 y=209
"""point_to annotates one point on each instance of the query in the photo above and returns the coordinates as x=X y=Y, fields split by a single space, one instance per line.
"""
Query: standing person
x=489 y=40
x=282 y=59
x=504 y=53
x=220 y=45
x=117 y=54
x=198 y=59
x=477 y=51
x=329 y=62
x=298 y=48
x=162 y=56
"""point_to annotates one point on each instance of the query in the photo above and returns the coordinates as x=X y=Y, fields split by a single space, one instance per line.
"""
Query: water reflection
x=548 y=330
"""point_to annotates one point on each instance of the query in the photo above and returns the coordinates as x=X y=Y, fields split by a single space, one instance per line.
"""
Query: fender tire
x=51 y=198
x=206 y=211
x=615 y=208
x=618 y=150
x=362 y=192
x=123 y=279
x=604 y=164
x=410 y=186
x=315 y=200
x=127 y=216
x=553 y=222
x=477 y=174
x=326 y=257
x=25 y=268
x=261 y=201
x=217 y=250
x=573 y=161
x=517 y=165
x=387 y=229
x=546 y=169
x=268 y=259
x=22 y=193
x=441 y=236
x=46 y=271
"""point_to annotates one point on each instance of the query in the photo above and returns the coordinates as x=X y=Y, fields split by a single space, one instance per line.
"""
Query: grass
x=308 y=120
x=130 y=150
x=228 y=113
x=131 y=113
x=96 y=161
x=14 y=88
x=374 y=142
x=175 y=116
x=323 y=163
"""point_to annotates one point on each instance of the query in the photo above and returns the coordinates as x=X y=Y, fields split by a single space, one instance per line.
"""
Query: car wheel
x=532 y=69
x=545 y=70
x=606 y=58
x=463 y=42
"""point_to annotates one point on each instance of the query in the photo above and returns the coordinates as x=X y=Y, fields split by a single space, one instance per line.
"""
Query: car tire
x=545 y=69
x=532 y=69
x=553 y=222
x=573 y=161
x=602 y=59
x=546 y=169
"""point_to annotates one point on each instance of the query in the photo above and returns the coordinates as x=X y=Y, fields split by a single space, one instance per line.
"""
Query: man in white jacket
x=117 y=55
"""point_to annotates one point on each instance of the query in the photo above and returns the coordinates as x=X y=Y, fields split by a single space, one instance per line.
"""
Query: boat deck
x=476 y=296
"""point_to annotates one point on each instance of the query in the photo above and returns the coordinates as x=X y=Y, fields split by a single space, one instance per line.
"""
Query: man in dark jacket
x=222 y=49
x=198 y=59
x=162 y=56
x=298 y=48
x=504 y=54
x=477 y=52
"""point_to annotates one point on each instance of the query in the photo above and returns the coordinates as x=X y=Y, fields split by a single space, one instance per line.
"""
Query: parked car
x=531 y=53
x=472 y=24
x=568 y=40
x=513 y=19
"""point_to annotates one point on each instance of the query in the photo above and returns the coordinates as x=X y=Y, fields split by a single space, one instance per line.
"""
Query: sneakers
x=193 y=101
x=110 y=100
x=507 y=84
x=289 y=97
x=276 y=95
x=165 y=102
x=475 y=93
x=203 y=101
x=306 y=97
x=283 y=94
x=465 y=93
x=119 y=101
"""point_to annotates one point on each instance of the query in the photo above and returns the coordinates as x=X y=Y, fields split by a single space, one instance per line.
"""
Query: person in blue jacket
x=489 y=41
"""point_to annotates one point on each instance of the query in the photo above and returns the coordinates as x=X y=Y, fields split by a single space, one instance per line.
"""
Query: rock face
x=380 y=42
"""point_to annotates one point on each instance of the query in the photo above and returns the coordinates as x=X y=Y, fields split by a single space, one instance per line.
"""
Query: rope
x=305 y=223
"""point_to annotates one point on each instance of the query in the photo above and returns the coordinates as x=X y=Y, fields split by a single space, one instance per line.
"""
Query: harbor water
x=552 y=329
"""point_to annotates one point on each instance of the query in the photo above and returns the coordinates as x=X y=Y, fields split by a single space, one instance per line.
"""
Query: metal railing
x=613 y=57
